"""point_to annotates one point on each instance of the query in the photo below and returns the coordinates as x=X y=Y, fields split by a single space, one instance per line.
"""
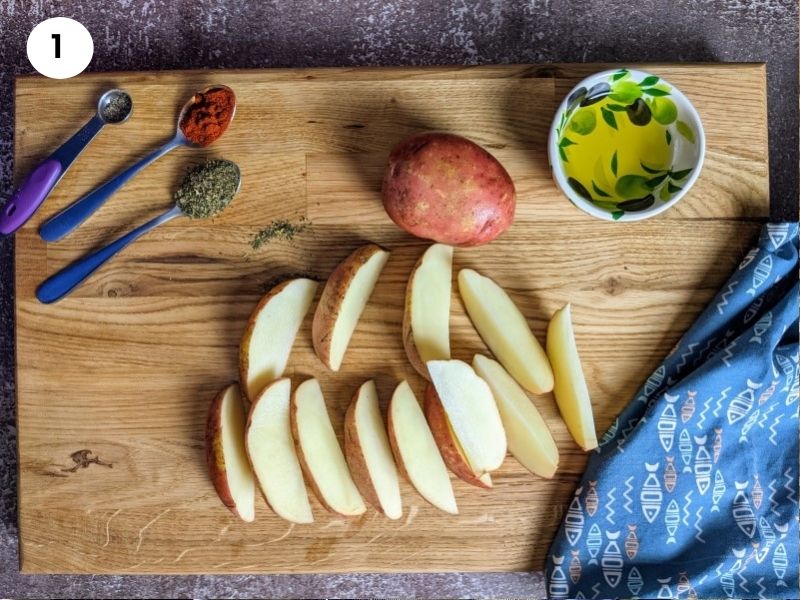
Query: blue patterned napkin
x=693 y=490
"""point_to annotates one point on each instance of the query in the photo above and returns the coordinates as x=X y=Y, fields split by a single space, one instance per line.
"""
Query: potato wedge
x=571 y=391
x=506 y=331
x=426 y=319
x=226 y=455
x=472 y=413
x=367 y=449
x=270 y=448
x=451 y=450
x=529 y=438
x=270 y=333
x=415 y=450
x=319 y=452
x=343 y=300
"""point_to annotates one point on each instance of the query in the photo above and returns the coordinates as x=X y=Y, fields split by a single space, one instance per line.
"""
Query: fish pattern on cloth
x=693 y=490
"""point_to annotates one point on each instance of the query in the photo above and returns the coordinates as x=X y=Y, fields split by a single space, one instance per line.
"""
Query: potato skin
x=445 y=439
x=244 y=345
x=330 y=301
x=408 y=334
x=301 y=457
x=398 y=456
x=355 y=457
x=446 y=188
x=215 y=459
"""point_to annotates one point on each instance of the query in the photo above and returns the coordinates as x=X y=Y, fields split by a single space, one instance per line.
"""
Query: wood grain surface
x=127 y=365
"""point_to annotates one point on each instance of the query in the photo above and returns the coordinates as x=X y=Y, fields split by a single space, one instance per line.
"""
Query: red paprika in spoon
x=208 y=116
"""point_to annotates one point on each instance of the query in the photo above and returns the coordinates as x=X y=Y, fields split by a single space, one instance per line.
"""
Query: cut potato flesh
x=416 y=451
x=472 y=412
x=426 y=320
x=355 y=300
x=529 y=438
x=343 y=301
x=227 y=458
x=369 y=453
x=571 y=392
x=452 y=452
x=271 y=331
x=272 y=454
x=320 y=452
x=504 y=329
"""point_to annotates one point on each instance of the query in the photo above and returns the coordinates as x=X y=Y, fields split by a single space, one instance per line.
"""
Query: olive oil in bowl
x=620 y=143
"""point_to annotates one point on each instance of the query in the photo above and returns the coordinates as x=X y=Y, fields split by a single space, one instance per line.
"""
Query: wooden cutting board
x=127 y=365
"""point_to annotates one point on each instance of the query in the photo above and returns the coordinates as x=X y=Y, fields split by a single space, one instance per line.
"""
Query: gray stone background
x=181 y=34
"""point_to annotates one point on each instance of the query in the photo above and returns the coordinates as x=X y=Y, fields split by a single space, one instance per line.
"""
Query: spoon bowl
x=238 y=175
x=115 y=107
x=197 y=97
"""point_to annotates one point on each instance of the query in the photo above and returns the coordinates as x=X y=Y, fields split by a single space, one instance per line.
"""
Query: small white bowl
x=685 y=132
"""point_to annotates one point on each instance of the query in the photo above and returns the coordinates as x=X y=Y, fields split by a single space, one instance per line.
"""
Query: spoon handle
x=76 y=213
x=67 y=279
x=41 y=181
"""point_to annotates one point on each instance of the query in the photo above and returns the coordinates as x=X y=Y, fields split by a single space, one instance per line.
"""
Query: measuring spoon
x=114 y=107
x=66 y=280
x=76 y=213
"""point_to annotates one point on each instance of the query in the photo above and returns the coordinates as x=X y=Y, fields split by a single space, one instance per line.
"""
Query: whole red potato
x=448 y=189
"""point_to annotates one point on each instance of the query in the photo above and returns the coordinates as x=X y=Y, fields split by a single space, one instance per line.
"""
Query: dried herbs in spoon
x=208 y=188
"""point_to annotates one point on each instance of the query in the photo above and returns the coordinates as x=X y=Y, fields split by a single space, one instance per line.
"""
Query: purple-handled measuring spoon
x=114 y=107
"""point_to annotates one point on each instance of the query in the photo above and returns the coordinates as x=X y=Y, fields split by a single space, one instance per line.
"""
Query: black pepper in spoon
x=116 y=107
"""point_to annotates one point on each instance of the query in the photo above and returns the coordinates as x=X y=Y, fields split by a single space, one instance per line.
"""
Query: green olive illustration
x=583 y=121
x=626 y=91
x=664 y=110
x=631 y=186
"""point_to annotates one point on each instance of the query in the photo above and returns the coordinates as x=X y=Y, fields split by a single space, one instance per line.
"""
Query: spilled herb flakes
x=280 y=229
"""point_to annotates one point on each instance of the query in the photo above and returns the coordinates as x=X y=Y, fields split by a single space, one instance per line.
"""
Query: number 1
x=57 y=38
